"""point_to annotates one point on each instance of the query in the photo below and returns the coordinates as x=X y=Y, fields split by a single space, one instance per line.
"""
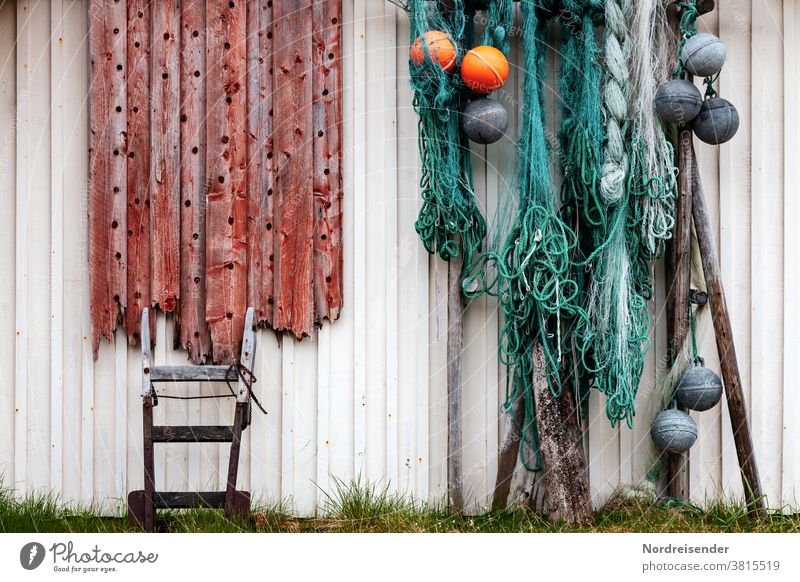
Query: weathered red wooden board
x=259 y=159
x=327 y=160
x=293 y=149
x=193 y=330
x=165 y=170
x=226 y=160
x=107 y=146
x=138 y=227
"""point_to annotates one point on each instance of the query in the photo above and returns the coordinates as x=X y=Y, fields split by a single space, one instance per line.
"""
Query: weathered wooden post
x=455 y=341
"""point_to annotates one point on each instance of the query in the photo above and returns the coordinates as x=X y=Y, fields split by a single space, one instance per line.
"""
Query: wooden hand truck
x=142 y=504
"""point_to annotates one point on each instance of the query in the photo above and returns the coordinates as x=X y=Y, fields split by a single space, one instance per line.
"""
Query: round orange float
x=440 y=50
x=484 y=69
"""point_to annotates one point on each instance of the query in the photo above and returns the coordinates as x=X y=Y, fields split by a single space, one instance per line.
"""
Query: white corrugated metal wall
x=366 y=398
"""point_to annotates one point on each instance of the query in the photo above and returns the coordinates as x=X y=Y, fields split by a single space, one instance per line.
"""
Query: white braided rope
x=615 y=101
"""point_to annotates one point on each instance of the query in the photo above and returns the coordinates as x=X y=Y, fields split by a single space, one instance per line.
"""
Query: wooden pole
x=731 y=378
x=678 y=480
x=455 y=340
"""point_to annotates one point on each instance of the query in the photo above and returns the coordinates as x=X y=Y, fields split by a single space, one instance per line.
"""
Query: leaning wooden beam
x=561 y=449
x=455 y=337
x=508 y=455
x=726 y=349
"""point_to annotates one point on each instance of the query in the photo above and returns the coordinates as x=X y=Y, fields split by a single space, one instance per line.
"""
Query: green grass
x=354 y=508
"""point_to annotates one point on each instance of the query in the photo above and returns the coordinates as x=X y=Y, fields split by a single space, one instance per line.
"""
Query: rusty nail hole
x=221 y=179
x=197 y=280
x=269 y=155
x=269 y=192
x=131 y=154
x=116 y=152
x=197 y=73
x=325 y=91
x=195 y=150
x=228 y=100
x=137 y=295
x=195 y=33
x=166 y=36
x=130 y=233
x=135 y=109
x=272 y=257
x=269 y=34
x=116 y=189
x=331 y=56
x=197 y=334
x=231 y=4
x=195 y=236
x=118 y=255
x=320 y=133
x=116 y=31
x=225 y=139
x=147 y=370
x=230 y=221
x=270 y=301
x=165 y=75
x=140 y=14
x=327 y=279
x=114 y=224
x=324 y=237
x=188 y=203
x=119 y=67
x=230 y=266
x=326 y=171
x=227 y=45
x=183 y=118
x=269 y=226
x=137 y=44
x=334 y=20
x=118 y=109
x=136 y=200
x=116 y=297
x=229 y=315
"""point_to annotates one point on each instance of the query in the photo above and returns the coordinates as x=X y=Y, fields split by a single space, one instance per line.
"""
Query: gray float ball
x=678 y=101
x=673 y=431
x=716 y=122
x=703 y=54
x=698 y=388
x=484 y=120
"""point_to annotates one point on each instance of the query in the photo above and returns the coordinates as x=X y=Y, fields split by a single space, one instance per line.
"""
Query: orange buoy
x=440 y=50
x=484 y=69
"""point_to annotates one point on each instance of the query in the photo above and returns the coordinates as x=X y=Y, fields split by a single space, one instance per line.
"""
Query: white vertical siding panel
x=358 y=54
x=413 y=282
x=374 y=216
x=767 y=252
x=33 y=79
x=57 y=153
x=8 y=130
x=323 y=414
x=735 y=26
x=393 y=282
x=791 y=247
x=175 y=412
x=345 y=373
x=265 y=461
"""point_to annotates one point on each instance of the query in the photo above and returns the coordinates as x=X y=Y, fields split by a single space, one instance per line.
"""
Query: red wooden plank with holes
x=259 y=156
x=165 y=180
x=327 y=160
x=194 y=334
x=106 y=170
x=226 y=160
x=138 y=180
x=293 y=149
